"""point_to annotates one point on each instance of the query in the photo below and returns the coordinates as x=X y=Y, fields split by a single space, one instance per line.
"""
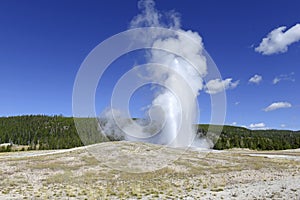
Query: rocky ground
x=126 y=170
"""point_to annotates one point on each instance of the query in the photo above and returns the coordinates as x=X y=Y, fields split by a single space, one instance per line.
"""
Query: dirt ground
x=127 y=170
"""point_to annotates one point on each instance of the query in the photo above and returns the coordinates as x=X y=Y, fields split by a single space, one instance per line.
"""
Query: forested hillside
x=39 y=132
x=58 y=132
x=239 y=137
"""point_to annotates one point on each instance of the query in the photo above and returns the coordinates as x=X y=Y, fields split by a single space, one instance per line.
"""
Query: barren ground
x=76 y=174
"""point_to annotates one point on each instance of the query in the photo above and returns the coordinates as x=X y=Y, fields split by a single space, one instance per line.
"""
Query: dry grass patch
x=65 y=177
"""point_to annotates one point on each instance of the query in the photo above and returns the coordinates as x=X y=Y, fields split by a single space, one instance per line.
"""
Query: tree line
x=58 y=132
x=239 y=137
x=38 y=132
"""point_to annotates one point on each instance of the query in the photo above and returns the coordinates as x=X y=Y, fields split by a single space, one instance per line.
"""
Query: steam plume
x=173 y=111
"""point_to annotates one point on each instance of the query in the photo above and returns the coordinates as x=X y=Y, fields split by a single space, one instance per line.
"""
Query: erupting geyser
x=177 y=63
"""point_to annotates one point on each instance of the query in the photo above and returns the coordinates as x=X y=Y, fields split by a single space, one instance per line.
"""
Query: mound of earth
x=131 y=170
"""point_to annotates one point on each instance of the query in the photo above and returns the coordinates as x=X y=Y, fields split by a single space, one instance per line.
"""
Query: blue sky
x=43 y=43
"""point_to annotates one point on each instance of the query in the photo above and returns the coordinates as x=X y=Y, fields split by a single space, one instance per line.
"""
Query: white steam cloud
x=172 y=115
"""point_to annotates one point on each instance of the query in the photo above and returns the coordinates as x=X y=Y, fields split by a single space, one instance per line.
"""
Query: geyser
x=176 y=62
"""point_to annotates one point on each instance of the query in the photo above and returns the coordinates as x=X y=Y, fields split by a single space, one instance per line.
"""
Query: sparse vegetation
x=79 y=175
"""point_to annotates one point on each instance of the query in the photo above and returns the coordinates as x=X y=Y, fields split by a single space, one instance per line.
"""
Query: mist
x=173 y=113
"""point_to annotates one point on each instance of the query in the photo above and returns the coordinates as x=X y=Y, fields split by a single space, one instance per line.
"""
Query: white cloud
x=234 y=123
x=278 y=41
x=284 y=77
x=282 y=125
x=255 y=79
x=257 y=126
x=276 y=80
x=277 y=105
x=217 y=85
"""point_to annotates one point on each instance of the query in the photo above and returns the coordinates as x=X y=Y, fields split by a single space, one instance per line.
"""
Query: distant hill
x=58 y=132
x=39 y=132
x=239 y=137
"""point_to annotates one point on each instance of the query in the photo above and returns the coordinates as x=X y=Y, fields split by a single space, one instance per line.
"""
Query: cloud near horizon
x=255 y=79
x=277 y=41
x=215 y=86
x=257 y=125
x=282 y=125
x=277 y=105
